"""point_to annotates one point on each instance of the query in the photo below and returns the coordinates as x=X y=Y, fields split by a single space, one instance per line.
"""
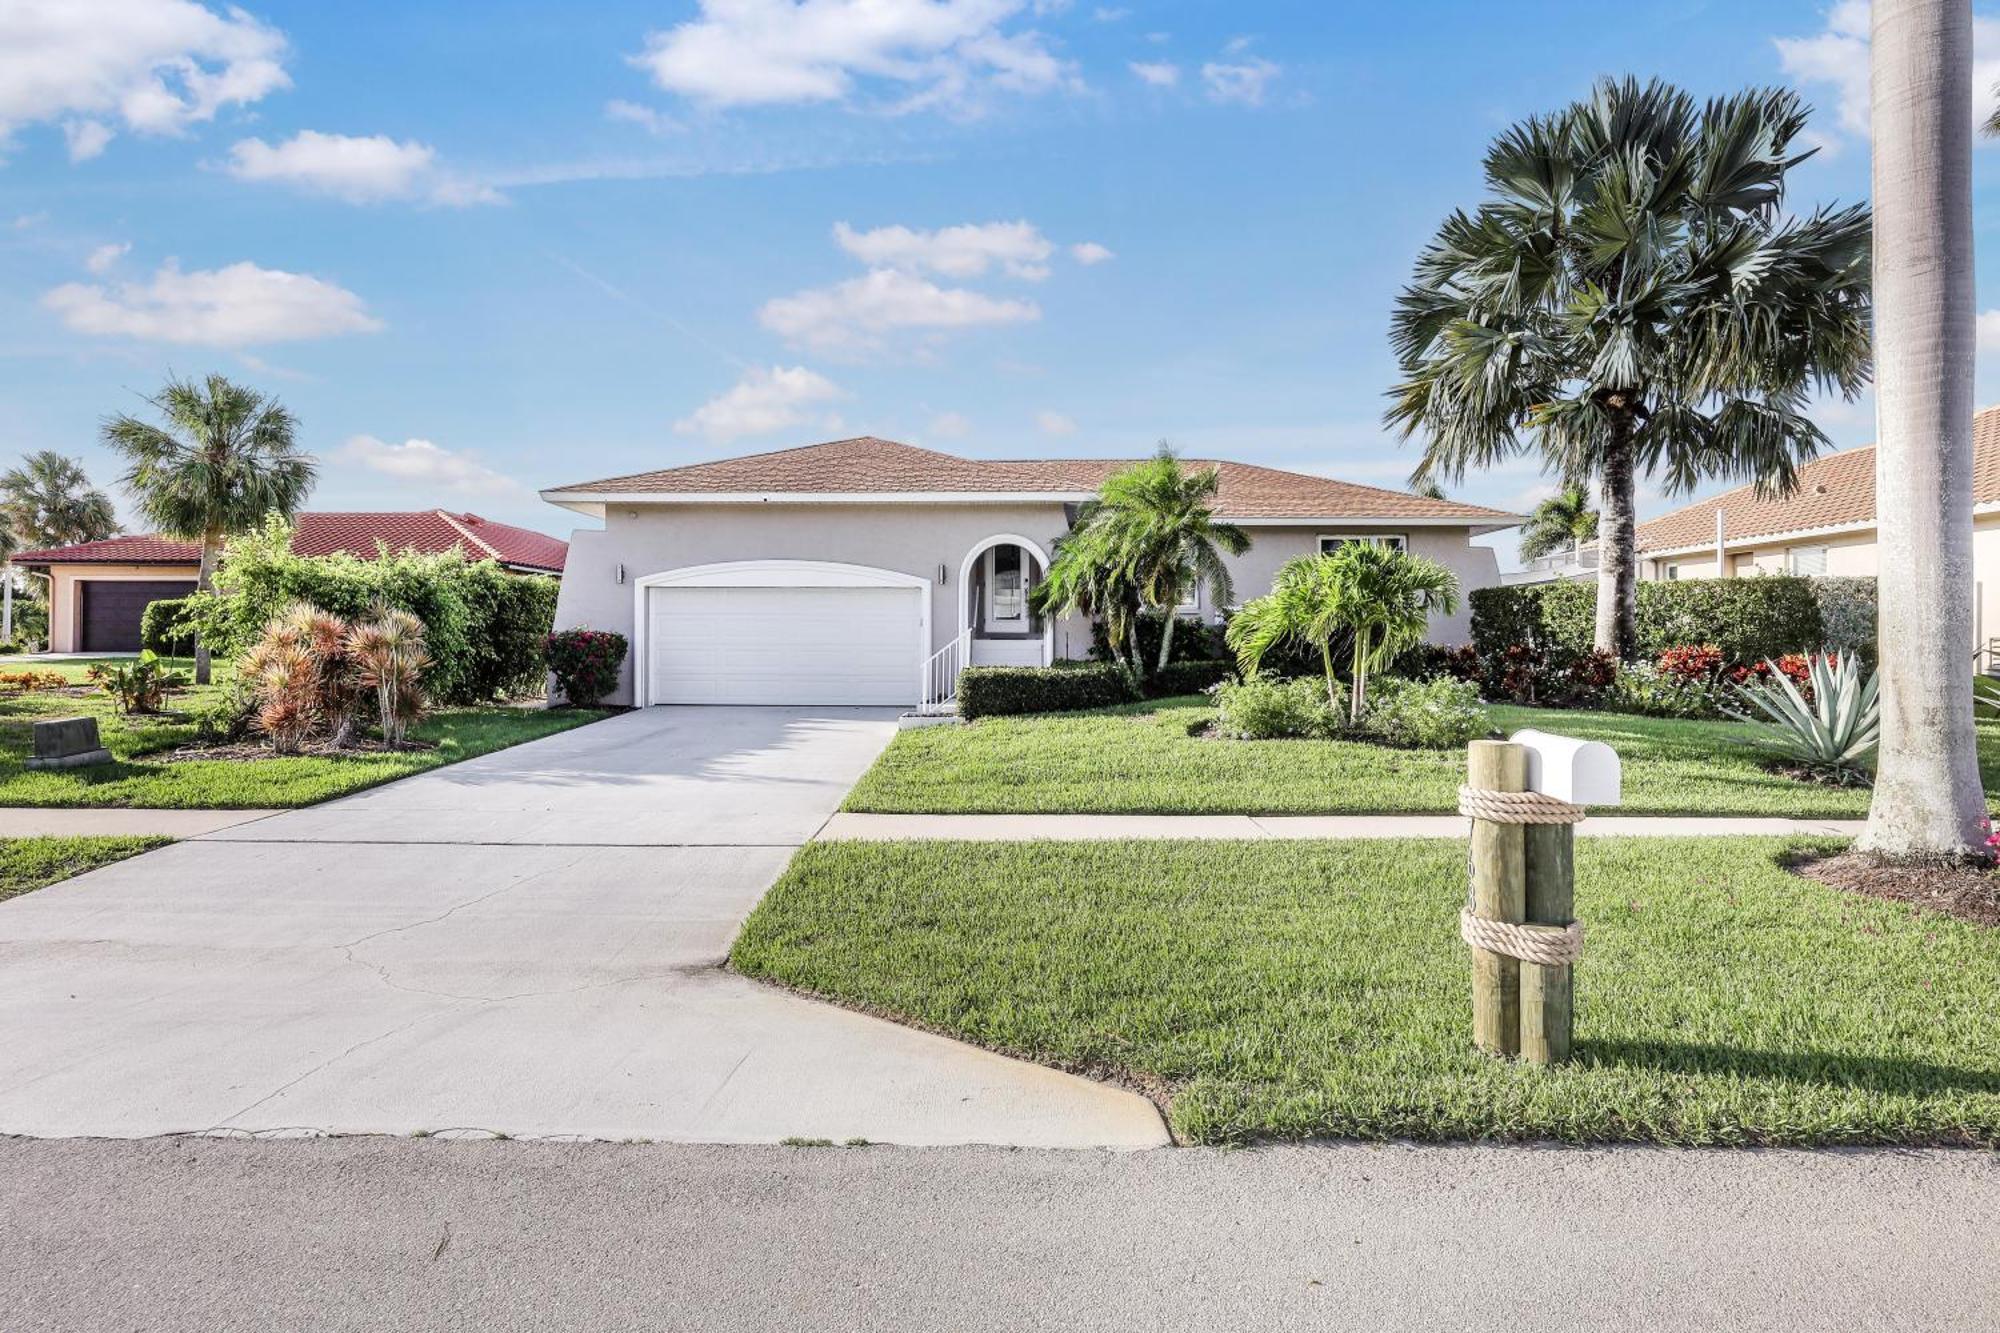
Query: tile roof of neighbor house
x=425 y=530
x=871 y=466
x=1834 y=491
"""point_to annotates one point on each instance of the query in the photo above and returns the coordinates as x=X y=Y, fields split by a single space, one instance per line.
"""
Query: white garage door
x=783 y=645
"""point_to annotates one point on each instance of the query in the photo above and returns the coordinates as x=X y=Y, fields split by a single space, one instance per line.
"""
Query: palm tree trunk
x=1326 y=661
x=1167 y=638
x=1617 y=629
x=1357 y=692
x=1928 y=803
x=211 y=548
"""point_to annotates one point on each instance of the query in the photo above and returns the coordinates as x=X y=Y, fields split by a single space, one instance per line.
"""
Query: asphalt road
x=376 y=1233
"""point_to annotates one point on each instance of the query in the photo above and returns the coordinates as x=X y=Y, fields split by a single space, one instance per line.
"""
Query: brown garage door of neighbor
x=112 y=607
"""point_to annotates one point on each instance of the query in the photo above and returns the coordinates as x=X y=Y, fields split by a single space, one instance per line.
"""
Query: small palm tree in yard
x=388 y=654
x=1635 y=296
x=1380 y=596
x=1161 y=518
x=1089 y=575
x=1564 y=520
x=223 y=460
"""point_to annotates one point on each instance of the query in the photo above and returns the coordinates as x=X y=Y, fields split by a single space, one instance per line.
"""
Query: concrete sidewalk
x=205 y=1234
x=1088 y=828
x=18 y=821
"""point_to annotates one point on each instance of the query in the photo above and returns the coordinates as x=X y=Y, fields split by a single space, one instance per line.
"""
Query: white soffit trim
x=1757 y=539
x=570 y=498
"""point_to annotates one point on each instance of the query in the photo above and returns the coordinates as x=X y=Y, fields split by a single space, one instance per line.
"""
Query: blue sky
x=486 y=248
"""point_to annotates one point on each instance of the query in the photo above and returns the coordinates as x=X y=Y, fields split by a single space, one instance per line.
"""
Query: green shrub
x=31 y=621
x=995 y=691
x=585 y=663
x=1187 y=678
x=1749 y=619
x=1847 y=616
x=1263 y=708
x=479 y=620
x=160 y=630
x=1436 y=714
x=1194 y=641
x=1642 y=687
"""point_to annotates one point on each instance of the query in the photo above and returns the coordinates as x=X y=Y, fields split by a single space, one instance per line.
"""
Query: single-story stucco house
x=865 y=571
x=1825 y=525
x=97 y=591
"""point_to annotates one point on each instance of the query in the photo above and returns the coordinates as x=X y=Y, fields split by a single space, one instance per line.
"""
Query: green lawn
x=1298 y=990
x=27 y=864
x=140 y=778
x=1143 y=759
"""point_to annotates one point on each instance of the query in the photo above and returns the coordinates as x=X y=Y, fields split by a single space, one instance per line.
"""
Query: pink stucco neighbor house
x=867 y=572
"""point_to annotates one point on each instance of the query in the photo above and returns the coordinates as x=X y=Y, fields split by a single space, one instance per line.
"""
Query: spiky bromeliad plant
x=389 y=657
x=1830 y=728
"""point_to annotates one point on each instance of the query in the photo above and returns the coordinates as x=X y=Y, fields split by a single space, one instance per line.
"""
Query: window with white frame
x=1805 y=560
x=1191 y=602
x=1330 y=542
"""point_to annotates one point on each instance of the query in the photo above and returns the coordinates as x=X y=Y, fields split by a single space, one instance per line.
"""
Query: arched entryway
x=993 y=612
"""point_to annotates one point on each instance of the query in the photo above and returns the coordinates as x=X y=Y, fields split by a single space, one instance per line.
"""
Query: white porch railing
x=941 y=675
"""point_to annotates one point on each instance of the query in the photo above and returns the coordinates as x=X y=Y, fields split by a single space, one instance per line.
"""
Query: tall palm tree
x=48 y=501
x=224 y=459
x=1383 y=597
x=1564 y=520
x=1634 y=296
x=1927 y=802
x=1160 y=519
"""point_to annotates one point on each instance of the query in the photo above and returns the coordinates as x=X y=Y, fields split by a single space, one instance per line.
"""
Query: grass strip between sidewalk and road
x=1308 y=989
x=27 y=864
x=1145 y=759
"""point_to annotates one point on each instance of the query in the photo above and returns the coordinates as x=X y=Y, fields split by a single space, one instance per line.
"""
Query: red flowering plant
x=585 y=663
x=1691 y=661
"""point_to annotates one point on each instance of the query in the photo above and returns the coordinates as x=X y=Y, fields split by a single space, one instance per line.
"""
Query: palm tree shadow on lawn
x=1874 y=1073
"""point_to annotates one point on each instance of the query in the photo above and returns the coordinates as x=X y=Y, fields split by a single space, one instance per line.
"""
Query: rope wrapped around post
x=1531 y=943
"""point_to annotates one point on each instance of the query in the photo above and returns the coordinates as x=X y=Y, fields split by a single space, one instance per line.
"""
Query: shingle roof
x=428 y=531
x=871 y=466
x=1833 y=491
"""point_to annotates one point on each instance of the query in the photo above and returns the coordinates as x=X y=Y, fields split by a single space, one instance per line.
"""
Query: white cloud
x=653 y=121
x=103 y=257
x=853 y=317
x=1054 y=423
x=1243 y=82
x=358 y=169
x=949 y=426
x=1989 y=330
x=86 y=139
x=764 y=400
x=432 y=466
x=780 y=52
x=1159 y=73
x=241 y=305
x=1110 y=14
x=956 y=252
x=1837 y=55
x=1088 y=253
x=150 y=66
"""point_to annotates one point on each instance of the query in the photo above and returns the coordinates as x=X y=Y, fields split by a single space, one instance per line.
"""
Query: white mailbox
x=1578 y=771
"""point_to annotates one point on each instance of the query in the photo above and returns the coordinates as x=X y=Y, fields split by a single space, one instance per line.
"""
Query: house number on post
x=1525 y=796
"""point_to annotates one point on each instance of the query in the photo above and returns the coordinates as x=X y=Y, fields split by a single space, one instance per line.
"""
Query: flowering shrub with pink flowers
x=585 y=663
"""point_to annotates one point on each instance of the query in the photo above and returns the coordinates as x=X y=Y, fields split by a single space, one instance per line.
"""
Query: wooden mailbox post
x=1524 y=796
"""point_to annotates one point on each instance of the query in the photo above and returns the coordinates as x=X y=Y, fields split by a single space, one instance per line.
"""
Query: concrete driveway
x=529 y=943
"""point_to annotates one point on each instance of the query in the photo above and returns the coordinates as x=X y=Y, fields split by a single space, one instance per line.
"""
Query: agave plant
x=1831 y=727
x=388 y=654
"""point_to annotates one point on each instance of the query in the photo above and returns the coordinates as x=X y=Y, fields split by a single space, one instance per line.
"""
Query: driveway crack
x=227 y=1122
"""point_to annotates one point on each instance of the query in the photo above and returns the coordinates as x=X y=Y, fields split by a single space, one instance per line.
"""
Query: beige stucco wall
x=66 y=608
x=913 y=539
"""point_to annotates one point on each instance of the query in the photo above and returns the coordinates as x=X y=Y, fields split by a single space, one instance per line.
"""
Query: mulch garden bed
x=249 y=751
x=1971 y=893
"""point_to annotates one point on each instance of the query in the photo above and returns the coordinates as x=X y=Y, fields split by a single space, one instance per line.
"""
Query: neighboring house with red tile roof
x=1825 y=525
x=865 y=571
x=98 y=590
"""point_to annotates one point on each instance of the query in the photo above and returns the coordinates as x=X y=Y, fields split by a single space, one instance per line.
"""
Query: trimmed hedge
x=1749 y=619
x=1187 y=678
x=991 y=691
x=160 y=630
x=483 y=627
x=1194 y=640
